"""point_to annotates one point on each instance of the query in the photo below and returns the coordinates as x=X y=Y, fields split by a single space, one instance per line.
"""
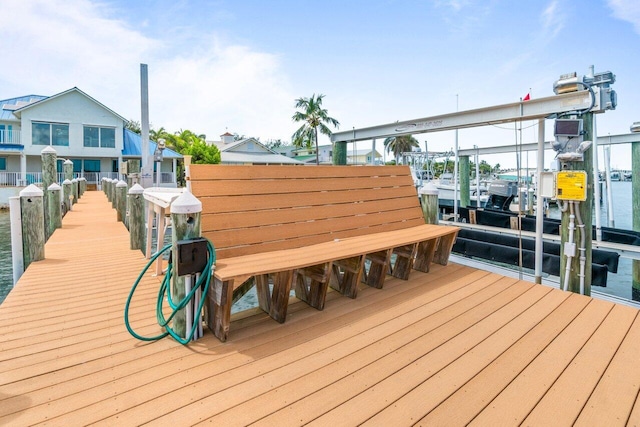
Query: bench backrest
x=252 y=209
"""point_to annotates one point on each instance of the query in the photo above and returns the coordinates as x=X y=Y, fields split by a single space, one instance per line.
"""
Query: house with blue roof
x=79 y=128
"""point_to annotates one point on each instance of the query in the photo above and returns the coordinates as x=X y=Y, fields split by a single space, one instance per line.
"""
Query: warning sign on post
x=571 y=185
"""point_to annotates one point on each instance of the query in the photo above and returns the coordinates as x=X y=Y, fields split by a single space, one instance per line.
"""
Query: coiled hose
x=203 y=283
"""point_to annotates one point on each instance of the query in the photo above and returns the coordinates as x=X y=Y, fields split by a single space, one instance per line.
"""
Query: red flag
x=526 y=98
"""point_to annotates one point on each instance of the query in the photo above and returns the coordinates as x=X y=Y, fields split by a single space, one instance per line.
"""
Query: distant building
x=364 y=157
x=249 y=151
x=79 y=128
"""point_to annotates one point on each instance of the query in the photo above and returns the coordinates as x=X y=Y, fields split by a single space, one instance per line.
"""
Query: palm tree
x=314 y=117
x=400 y=144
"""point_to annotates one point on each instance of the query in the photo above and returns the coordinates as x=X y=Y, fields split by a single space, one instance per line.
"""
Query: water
x=618 y=284
x=6 y=268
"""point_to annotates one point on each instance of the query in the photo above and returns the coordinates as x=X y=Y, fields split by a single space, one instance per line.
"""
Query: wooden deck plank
x=536 y=378
x=617 y=391
x=562 y=403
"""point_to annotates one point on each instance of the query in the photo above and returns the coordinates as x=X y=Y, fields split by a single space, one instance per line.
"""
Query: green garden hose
x=203 y=282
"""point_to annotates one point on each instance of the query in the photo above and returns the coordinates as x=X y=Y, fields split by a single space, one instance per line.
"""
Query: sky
x=238 y=65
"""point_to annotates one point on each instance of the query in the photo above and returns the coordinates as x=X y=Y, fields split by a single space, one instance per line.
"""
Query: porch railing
x=9 y=136
x=14 y=179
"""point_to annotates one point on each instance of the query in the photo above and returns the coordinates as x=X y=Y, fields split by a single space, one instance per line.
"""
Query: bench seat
x=308 y=228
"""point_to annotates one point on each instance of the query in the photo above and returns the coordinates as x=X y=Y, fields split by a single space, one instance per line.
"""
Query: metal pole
x=540 y=202
x=15 y=214
x=455 y=175
x=607 y=165
x=477 y=177
x=597 y=197
x=144 y=126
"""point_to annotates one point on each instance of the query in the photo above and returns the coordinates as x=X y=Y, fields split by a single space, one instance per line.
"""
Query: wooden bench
x=309 y=228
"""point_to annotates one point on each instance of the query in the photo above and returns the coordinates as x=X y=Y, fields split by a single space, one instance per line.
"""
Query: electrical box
x=571 y=185
x=192 y=256
x=547 y=186
x=124 y=167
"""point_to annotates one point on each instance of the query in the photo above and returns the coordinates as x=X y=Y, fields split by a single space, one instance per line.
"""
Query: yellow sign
x=571 y=185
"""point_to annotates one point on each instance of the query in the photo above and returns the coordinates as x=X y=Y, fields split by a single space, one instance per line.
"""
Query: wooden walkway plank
x=299 y=396
x=562 y=404
x=538 y=376
x=617 y=391
x=463 y=405
x=277 y=354
x=434 y=389
x=129 y=396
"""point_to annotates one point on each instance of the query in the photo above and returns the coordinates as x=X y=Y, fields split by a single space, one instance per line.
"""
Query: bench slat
x=229 y=172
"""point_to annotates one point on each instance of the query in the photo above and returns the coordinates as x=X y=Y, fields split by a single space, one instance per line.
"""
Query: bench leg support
x=311 y=284
x=346 y=274
x=404 y=261
x=218 y=308
x=424 y=255
x=444 y=247
x=274 y=301
x=379 y=263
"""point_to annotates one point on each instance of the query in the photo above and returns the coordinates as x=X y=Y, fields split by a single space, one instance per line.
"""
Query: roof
x=73 y=89
x=133 y=143
x=261 y=158
x=363 y=152
x=8 y=106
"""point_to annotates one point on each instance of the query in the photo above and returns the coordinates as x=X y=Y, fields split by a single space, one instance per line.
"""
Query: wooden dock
x=451 y=347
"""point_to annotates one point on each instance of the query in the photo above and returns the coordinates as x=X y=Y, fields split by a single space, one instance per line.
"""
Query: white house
x=78 y=127
x=364 y=157
x=248 y=151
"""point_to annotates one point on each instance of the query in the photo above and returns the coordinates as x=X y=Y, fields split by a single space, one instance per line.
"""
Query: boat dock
x=453 y=346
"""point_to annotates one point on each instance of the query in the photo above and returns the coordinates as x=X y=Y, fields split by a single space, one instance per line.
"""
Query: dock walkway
x=455 y=346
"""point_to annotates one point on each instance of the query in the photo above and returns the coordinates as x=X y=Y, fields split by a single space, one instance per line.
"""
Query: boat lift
x=573 y=96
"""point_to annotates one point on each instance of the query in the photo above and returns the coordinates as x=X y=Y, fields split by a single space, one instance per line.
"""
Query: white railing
x=14 y=179
x=9 y=136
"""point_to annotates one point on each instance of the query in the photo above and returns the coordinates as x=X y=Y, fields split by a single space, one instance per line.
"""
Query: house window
x=3 y=163
x=95 y=136
x=91 y=165
x=50 y=134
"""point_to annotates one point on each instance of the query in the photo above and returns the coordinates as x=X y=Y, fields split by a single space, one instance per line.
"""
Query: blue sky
x=239 y=65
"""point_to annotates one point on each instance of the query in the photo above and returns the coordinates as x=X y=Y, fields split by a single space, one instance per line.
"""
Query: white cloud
x=206 y=88
x=552 y=20
x=627 y=10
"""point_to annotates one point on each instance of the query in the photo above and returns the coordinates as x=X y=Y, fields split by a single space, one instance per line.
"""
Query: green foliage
x=203 y=153
x=400 y=144
x=133 y=126
x=314 y=117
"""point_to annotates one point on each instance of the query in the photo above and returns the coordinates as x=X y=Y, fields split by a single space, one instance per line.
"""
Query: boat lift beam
x=516 y=111
x=624 y=138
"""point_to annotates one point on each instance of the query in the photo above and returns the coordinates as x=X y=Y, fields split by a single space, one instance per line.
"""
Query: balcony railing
x=9 y=136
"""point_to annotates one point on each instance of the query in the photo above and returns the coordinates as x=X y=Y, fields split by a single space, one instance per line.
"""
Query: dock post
x=49 y=157
x=112 y=188
x=465 y=188
x=17 y=251
x=66 y=195
x=82 y=186
x=107 y=189
x=31 y=205
x=121 y=200
x=429 y=196
x=75 y=191
x=67 y=169
x=635 y=203
x=54 y=219
x=585 y=209
x=185 y=218
x=136 y=217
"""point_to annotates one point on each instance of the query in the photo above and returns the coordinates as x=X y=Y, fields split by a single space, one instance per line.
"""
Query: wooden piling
x=67 y=169
x=66 y=195
x=54 y=219
x=136 y=218
x=82 y=186
x=586 y=215
x=429 y=196
x=465 y=188
x=185 y=219
x=49 y=157
x=121 y=200
x=112 y=190
x=75 y=191
x=31 y=206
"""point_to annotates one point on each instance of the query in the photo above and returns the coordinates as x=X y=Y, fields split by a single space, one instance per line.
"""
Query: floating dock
x=455 y=346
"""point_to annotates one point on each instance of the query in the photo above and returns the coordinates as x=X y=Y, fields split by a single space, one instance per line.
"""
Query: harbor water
x=618 y=284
